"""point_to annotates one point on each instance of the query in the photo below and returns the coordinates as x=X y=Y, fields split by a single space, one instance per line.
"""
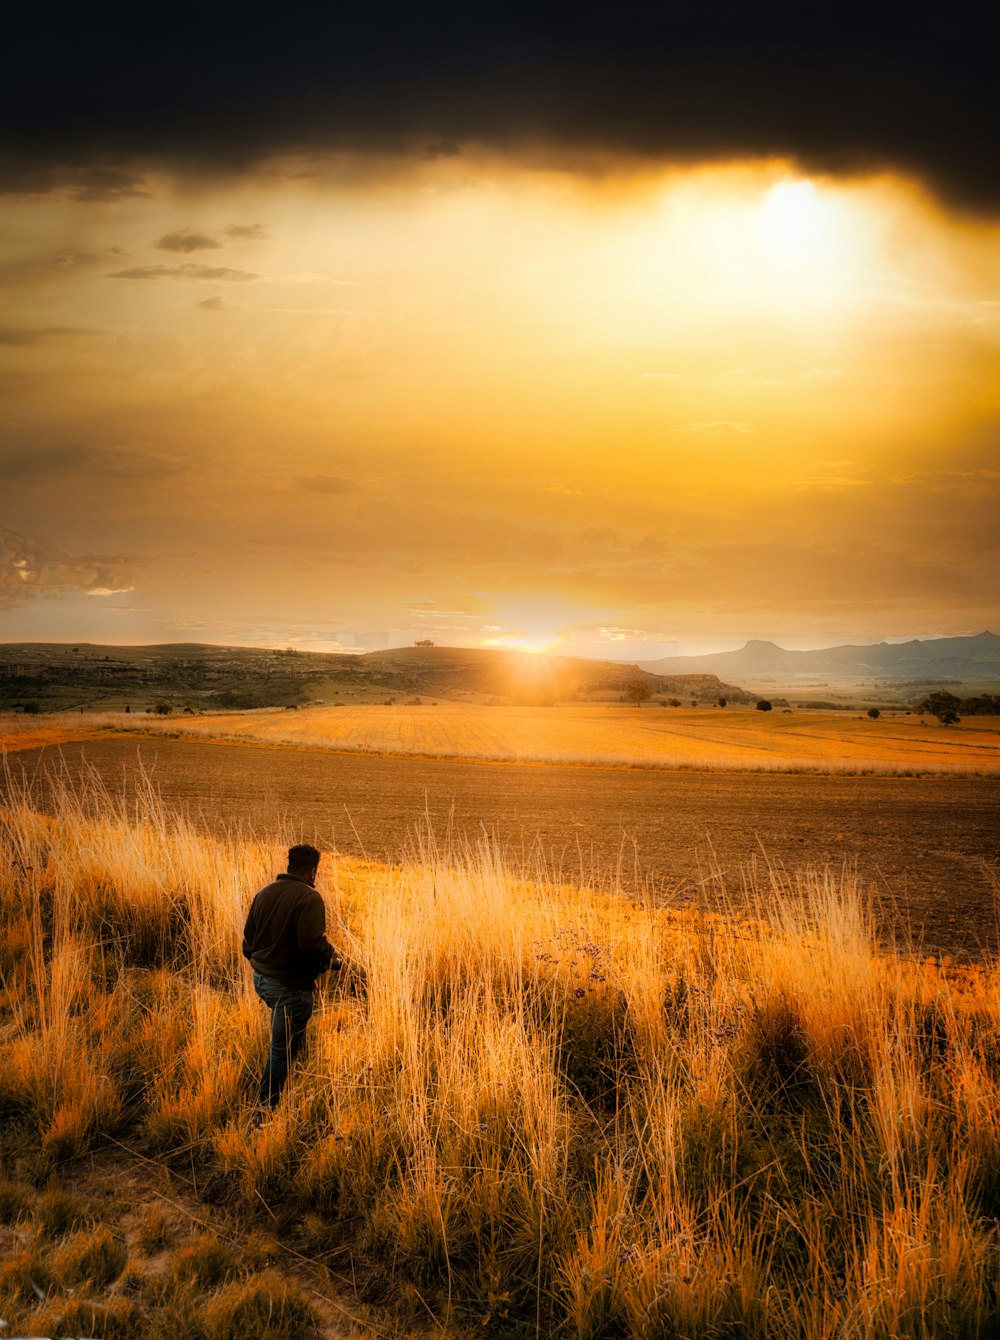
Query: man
x=285 y=941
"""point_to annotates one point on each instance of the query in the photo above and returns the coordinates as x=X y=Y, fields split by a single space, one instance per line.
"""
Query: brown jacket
x=284 y=937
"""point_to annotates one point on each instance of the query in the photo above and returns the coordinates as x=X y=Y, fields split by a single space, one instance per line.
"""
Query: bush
x=115 y=1319
x=60 y=1213
x=266 y=1307
x=92 y=1255
x=874 y=713
x=763 y=705
x=204 y=1259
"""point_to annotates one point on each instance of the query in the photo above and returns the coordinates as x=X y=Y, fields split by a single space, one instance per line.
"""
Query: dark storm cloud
x=185 y=240
x=73 y=176
x=843 y=88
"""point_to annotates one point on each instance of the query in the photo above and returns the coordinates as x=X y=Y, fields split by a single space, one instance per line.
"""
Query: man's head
x=303 y=860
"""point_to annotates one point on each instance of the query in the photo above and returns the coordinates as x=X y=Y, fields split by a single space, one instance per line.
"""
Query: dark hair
x=303 y=857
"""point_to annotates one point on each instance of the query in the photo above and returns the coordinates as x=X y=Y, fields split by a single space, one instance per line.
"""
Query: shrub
x=204 y=1259
x=112 y=1319
x=266 y=1307
x=59 y=1213
x=90 y=1254
x=763 y=705
x=874 y=713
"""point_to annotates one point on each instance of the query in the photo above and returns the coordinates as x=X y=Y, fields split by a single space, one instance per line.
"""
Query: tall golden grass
x=705 y=738
x=530 y=1109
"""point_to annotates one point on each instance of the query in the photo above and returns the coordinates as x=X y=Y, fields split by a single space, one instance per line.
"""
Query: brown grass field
x=528 y=1109
x=729 y=739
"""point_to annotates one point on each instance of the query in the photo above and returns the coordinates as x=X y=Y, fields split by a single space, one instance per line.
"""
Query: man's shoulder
x=288 y=887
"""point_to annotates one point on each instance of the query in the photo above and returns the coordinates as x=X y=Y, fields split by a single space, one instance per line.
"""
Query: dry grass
x=704 y=738
x=551 y=1111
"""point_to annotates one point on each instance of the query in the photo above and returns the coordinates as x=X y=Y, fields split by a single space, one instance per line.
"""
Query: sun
x=536 y=644
x=799 y=225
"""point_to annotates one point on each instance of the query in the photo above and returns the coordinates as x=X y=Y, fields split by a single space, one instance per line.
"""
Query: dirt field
x=929 y=848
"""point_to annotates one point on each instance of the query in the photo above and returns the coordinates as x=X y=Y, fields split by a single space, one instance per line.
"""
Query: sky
x=624 y=334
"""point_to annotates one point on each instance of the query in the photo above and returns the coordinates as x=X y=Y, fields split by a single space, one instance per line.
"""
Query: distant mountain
x=943 y=658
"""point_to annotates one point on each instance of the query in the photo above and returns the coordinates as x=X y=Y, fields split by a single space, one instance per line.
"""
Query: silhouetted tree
x=637 y=691
x=763 y=705
x=939 y=701
x=722 y=702
x=874 y=713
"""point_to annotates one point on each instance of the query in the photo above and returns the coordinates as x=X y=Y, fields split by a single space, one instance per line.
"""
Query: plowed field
x=929 y=848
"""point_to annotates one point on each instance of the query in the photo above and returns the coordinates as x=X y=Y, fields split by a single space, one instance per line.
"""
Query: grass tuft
x=267 y=1306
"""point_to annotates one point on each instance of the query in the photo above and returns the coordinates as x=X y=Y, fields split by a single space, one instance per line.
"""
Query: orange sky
x=484 y=403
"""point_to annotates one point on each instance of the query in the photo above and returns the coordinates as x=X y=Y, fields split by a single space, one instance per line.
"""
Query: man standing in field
x=285 y=941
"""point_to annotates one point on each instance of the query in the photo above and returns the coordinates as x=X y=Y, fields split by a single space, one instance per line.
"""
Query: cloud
x=186 y=241
x=246 y=232
x=28 y=336
x=216 y=304
x=51 y=267
x=859 y=575
x=106 y=185
x=840 y=89
x=191 y=272
x=52 y=463
x=326 y=484
x=50 y=174
x=31 y=567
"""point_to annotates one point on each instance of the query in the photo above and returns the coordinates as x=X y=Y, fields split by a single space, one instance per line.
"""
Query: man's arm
x=250 y=930
x=316 y=949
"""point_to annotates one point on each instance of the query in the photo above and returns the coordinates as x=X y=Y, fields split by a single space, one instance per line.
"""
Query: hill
x=931 y=661
x=50 y=676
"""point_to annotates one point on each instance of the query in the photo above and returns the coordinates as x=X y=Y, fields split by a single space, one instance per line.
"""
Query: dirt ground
x=927 y=848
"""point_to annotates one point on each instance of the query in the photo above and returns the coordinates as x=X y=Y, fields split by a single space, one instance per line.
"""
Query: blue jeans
x=290 y=1011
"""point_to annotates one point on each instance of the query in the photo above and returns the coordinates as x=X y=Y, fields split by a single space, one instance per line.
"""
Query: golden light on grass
x=650 y=736
x=541 y=1106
